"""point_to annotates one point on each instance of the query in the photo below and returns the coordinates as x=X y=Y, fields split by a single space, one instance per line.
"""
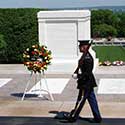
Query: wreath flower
x=37 y=58
x=105 y=63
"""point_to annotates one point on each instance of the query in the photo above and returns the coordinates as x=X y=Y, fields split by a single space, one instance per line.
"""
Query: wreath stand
x=40 y=95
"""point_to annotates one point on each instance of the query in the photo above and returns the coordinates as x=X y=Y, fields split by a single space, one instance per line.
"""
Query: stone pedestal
x=60 y=31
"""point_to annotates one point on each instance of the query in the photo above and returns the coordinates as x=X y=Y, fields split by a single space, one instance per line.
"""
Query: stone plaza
x=35 y=110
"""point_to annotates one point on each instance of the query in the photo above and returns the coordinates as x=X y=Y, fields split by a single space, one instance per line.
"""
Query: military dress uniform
x=85 y=83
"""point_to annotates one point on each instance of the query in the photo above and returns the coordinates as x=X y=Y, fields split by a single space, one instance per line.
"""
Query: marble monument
x=60 y=31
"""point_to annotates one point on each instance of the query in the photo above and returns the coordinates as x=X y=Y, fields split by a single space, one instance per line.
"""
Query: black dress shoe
x=67 y=116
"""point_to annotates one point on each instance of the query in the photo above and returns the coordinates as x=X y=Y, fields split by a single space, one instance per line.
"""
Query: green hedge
x=111 y=53
x=19 y=30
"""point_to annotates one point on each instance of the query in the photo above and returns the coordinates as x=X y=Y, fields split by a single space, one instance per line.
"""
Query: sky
x=58 y=3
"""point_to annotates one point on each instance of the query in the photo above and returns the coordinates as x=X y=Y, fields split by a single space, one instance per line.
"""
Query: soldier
x=86 y=83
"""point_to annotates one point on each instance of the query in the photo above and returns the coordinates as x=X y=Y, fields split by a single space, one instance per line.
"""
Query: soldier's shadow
x=60 y=116
x=87 y=120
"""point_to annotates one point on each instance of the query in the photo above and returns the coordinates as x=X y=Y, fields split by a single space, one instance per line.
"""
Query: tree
x=121 y=24
x=104 y=30
x=101 y=17
x=107 y=17
x=19 y=27
x=3 y=47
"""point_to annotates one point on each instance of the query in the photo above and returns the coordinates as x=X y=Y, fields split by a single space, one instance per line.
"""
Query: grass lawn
x=111 y=53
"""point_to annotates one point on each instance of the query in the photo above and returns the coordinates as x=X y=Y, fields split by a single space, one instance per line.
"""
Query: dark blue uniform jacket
x=86 y=78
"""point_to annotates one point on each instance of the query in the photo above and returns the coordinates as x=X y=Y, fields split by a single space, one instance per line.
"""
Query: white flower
x=39 y=59
x=27 y=49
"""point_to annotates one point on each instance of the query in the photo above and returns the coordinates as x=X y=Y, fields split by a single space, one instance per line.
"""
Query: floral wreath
x=37 y=58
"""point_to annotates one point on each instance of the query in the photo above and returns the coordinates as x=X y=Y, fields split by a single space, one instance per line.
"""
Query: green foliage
x=2 y=42
x=104 y=30
x=107 y=23
x=110 y=53
x=3 y=47
x=20 y=30
x=121 y=24
x=101 y=16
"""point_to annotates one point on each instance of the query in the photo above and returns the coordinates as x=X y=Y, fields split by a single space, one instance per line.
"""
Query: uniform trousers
x=88 y=94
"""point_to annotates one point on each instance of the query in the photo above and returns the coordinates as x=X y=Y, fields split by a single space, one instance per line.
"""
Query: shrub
x=3 y=47
x=20 y=30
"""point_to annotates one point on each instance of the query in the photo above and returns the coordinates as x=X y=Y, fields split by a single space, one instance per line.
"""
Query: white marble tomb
x=60 y=31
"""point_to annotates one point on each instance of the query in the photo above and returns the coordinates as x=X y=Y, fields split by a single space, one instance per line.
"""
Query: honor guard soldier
x=85 y=83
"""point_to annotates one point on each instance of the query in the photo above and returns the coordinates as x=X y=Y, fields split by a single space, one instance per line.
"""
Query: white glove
x=74 y=76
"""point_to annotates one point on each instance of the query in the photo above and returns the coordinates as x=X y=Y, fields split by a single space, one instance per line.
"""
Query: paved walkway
x=41 y=111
